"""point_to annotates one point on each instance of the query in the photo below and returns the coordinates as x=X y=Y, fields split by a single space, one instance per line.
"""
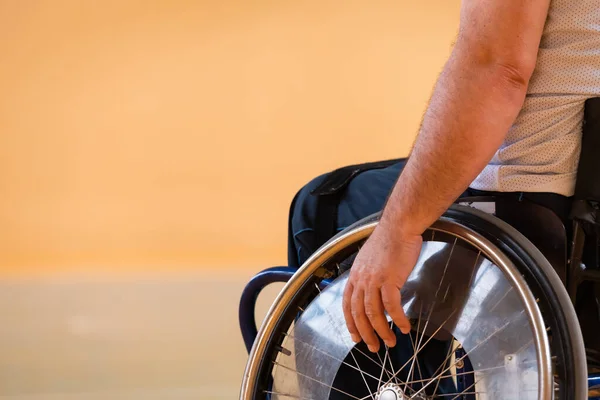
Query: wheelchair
x=494 y=303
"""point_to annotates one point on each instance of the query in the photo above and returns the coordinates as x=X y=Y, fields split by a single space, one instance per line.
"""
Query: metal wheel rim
x=306 y=274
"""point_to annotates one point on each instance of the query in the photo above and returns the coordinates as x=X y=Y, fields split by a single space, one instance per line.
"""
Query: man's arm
x=475 y=101
x=477 y=98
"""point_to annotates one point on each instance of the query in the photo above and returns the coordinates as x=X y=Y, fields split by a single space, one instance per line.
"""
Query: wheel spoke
x=370 y=358
x=451 y=348
x=413 y=341
x=462 y=358
x=391 y=363
x=458 y=374
x=445 y=270
x=466 y=390
x=502 y=298
x=316 y=380
x=384 y=364
x=351 y=353
x=331 y=356
x=448 y=357
x=419 y=348
x=292 y=396
x=458 y=394
x=474 y=269
x=382 y=369
x=428 y=340
x=362 y=374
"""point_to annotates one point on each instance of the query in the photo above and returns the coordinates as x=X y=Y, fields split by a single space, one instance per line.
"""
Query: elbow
x=515 y=74
x=512 y=68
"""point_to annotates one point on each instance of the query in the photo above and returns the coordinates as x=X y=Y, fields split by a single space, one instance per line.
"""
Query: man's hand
x=377 y=275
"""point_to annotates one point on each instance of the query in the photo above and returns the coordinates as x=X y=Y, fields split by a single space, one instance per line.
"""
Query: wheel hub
x=391 y=391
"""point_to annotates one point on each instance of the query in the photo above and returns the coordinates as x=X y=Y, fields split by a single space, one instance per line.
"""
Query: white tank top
x=541 y=151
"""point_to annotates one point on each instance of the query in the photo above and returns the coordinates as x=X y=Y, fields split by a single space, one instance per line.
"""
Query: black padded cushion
x=588 y=172
x=586 y=205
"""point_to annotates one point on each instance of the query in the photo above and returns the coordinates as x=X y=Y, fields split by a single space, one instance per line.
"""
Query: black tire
x=566 y=342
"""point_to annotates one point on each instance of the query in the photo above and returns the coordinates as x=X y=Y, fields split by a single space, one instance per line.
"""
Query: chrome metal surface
x=489 y=321
x=476 y=296
x=391 y=391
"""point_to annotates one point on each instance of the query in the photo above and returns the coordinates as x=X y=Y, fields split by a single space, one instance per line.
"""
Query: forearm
x=471 y=110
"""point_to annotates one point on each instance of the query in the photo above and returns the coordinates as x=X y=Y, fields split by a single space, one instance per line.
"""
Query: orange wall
x=173 y=134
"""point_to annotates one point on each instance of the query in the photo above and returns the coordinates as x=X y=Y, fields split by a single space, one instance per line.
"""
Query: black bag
x=322 y=201
x=330 y=191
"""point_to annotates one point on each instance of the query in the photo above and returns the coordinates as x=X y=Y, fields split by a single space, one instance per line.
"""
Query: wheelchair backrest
x=587 y=188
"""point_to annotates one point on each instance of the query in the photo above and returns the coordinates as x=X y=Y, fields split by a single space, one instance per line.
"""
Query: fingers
x=364 y=312
x=346 y=305
x=375 y=313
x=362 y=322
x=390 y=296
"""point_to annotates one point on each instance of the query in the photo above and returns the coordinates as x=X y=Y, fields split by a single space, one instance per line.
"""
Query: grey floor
x=136 y=337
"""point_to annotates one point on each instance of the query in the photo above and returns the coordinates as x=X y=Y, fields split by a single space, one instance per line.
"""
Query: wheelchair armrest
x=250 y=294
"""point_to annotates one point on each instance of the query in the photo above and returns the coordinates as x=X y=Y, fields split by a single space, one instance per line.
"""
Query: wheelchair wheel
x=491 y=320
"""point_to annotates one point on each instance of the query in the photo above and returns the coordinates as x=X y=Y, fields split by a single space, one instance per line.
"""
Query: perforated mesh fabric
x=541 y=150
